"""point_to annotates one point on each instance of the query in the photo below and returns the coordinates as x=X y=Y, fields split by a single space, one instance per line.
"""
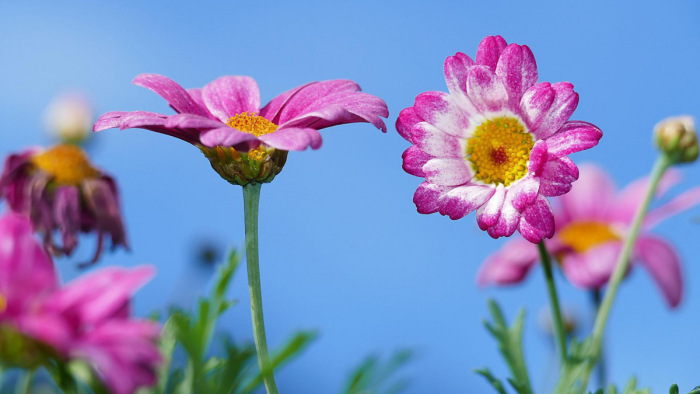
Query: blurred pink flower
x=59 y=189
x=497 y=143
x=225 y=121
x=86 y=319
x=592 y=222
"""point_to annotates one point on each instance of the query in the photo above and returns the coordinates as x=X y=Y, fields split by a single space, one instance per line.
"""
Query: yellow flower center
x=499 y=150
x=68 y=164
x=252 y=124
x=3 y=303
x=581 y=236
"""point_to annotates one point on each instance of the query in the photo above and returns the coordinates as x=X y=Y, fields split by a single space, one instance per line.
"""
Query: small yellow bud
x=677 y=138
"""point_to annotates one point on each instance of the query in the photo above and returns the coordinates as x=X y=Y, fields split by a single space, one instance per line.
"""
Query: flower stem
x=24 y=383
x=251 y=200
x=557 y=321
x=623 y=261
x=601 y=367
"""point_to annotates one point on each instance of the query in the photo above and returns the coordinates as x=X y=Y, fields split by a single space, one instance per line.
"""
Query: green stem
x=24 y=383
x=557 y=321
x=251 y=200
x=601 y=368
x=623 y=262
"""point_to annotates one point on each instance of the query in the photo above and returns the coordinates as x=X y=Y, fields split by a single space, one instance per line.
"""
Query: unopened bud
x=677 y=138
x=69 y=118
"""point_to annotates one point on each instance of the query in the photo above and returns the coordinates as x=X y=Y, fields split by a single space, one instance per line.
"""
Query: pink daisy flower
x=60 y=190
x=87 y=319
x=592 y=223
x=496 y=143
x=246 y=143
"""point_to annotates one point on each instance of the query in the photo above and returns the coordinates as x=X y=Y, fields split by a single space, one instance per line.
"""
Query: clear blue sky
x=342 y=248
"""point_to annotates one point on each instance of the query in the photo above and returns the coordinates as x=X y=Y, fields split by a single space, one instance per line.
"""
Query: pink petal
x=462 y=200
x=406 y=121
x=590 y=197
x=437 y=143
x=518 y=71
x=539 y=155
x=487 y=215
x=546 y=107
x=231 y=95
x=557 y=176
x=630 y=198
x=293 y=138
x=537 y=221
x=509 y=218
x=679 y=204
x=573 y=136
x=329 y=103
x=592 y=269
x=485 y=90
x=189 y=121
x=414 y=159
x=508 y=265
x=447 y=171
x=225 y=136
x=456 y=69
x=663 y=264
x=427 y=197
x=171 y=91
x=524 y=192
x=490 y=50
x=438 y=109
x=271 y=110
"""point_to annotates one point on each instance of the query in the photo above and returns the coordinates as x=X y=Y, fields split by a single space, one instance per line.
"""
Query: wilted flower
x=59 y=189
x=496 y=143
x=69 y=117
x=678 y=139
x=87 y=319
x=243 y=142
x=592 y=223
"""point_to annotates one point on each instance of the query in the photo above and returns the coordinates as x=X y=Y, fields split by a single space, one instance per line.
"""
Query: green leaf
x=510 y=341
x=673 y=389
x=495 y=382
x=696 y=390
x=373 y=376
x=291 y=349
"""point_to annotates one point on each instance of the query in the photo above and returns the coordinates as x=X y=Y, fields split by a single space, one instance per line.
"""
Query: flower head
x=496 y=143
x=676 y=137
x=592 y=222
x=59 y=189
x=69 y=117
x=87 y=319
x=246 y=143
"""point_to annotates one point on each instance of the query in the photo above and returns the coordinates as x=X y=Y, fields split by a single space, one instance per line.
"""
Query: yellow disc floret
x=3 y=303
x=67 y=164
x=499 y=150
x=581 y=236
x=252 y=124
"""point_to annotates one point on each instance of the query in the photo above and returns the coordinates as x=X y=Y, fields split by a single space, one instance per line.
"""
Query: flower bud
x=257 y=165
x=69 y=118
x=677 y=138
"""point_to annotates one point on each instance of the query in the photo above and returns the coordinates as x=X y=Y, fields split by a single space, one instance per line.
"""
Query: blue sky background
x=343 y=250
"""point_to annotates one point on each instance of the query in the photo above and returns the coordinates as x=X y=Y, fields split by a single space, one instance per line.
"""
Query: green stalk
x=251 y=200
x=623 y=262
x=601 y=368
x=24 y=383
x=557 y=321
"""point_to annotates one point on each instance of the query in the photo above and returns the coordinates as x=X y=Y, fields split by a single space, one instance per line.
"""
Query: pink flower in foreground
x=244 y=142
x=496 y=143
x=87 y=319
x=59 y=189
x=592 y=222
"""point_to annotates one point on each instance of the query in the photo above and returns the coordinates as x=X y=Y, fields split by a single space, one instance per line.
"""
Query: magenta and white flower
x=87 y=319
x=592 y=221
x=224 y=119
x=497 y=143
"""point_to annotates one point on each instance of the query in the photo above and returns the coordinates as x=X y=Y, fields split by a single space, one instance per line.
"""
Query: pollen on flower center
x=581 y=236
x=499 y=150
x=68 y=164
x=252 y=124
